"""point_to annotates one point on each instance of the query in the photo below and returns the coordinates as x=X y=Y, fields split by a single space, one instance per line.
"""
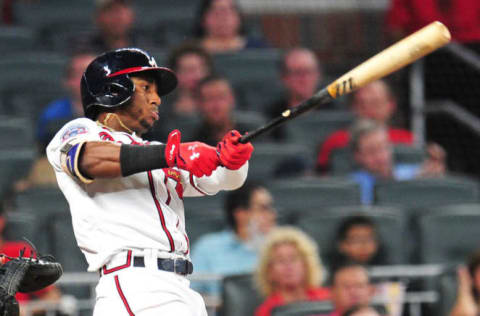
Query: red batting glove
x=231 y=152
x=195 y=157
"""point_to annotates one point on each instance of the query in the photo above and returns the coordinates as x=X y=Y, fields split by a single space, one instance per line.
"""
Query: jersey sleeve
x=220 y=179
x=67 y=143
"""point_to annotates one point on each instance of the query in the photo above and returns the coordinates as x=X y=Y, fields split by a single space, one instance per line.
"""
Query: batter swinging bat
x=400 y=54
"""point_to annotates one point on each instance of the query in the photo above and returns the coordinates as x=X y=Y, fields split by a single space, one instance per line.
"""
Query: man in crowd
x=250 y=215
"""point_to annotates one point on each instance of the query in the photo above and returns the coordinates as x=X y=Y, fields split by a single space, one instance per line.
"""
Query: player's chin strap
x=109 y=116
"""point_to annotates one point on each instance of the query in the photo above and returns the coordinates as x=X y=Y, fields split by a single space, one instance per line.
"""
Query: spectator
x=362 y=310
x=217 y=101
x=114 y=20
x=66 y=108
x=468 y=297
x=357 y=240
x=462 y=17
x=350 y=286
x=372 y=151
x=191 y=64
x=300 y=75
x=53 y=116
x=219 y=28
x=250 y=215
x=289 y=270
x=12 y=249
x=376 y=102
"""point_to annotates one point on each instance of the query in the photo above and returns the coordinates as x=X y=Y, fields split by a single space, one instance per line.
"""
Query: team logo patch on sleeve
x=73 y=131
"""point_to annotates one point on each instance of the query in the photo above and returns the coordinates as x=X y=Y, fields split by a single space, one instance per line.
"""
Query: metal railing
x=73 y=306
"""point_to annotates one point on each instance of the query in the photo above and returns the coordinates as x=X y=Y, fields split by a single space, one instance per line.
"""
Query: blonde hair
x=306 y=247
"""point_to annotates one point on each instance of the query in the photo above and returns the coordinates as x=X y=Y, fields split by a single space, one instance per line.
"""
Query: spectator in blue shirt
x=66 y=108
x=373 y=154
x=251 y=215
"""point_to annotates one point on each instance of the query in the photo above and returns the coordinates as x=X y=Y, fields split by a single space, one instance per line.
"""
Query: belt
x=178 y=266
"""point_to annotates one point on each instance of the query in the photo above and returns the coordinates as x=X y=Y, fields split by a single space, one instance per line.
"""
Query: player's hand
x=195 y=157
x=231 y=152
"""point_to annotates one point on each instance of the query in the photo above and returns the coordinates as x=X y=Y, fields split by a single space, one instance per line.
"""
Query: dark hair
x=210 y=78
x=282 y=62
x=239 y=198
x=347 y=264
x=351 y=221
x=199 y=31
x=188 y=48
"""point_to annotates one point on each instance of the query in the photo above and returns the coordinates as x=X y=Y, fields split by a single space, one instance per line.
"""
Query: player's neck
x=114 y=122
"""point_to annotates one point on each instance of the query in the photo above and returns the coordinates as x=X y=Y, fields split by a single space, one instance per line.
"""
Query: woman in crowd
x=468 y=297
x=219 y=28
x=289 y=270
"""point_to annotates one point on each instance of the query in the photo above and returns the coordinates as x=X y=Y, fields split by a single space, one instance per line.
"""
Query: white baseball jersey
x=141 y=211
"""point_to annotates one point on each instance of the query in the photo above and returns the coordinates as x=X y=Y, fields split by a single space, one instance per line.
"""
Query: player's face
x=142 y=112
x=302 y=74
x=374 y=153
x=374 y=102
x=351 y=287
x=191 y=69
x=287 y=267
x=360 y=243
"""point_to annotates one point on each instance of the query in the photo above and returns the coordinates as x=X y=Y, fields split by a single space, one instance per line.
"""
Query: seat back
x=311 y=308
x=239 y=296
x=449 y=234
x=390 y=223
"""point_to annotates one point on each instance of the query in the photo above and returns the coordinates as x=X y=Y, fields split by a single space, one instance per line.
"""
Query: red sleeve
x=270 y=303
x=338 y=139
x=400 y=136
x=319 y=294
x=408 y=16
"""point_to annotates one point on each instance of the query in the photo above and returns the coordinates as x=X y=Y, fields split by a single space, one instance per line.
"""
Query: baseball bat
x=398 y=55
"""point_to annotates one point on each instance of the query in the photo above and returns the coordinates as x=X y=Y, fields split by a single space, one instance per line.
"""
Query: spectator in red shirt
x=289 y=270
x=12 y=249
x=376 y=102
x=462 y=17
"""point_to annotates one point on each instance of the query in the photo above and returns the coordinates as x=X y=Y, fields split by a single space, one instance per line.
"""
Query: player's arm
x=90 y=160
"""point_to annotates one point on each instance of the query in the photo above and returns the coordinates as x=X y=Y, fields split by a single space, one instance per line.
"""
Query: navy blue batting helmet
x=106 y=83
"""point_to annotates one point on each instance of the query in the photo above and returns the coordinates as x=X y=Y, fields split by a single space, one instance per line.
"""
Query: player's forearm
x=100 y=160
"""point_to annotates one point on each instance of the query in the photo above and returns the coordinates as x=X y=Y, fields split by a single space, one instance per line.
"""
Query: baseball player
x=126 y=194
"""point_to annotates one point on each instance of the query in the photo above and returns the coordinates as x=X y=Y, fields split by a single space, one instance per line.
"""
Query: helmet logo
x=107 y=70
x=152 y=62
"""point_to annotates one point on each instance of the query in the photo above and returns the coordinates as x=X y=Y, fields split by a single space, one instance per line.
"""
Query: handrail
x=457 y=112
x=465 y=54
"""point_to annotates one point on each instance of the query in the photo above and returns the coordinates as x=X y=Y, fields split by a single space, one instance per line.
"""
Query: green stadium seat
x=203 y=205
x=15 y=133
x=42 y=201
x=292 y=197
x=16 y=39
x=20 y=225
x=446 y=286
x=449 y=234
x=419 y=193
x=14 y=165
x=311 y=308
x=239 y=296
x=202 y=224
x=267 y=157
x=391 y=223
x=312 y=129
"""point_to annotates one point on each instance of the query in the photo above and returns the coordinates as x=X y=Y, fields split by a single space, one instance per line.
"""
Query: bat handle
x=245 y=138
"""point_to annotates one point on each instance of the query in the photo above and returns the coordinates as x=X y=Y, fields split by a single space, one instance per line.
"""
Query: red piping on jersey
x=188 y=244
x=160 y=212
x=192 y=182
x=134 y=142
x=124 y=300
x=169 y=198
x=123 y=266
